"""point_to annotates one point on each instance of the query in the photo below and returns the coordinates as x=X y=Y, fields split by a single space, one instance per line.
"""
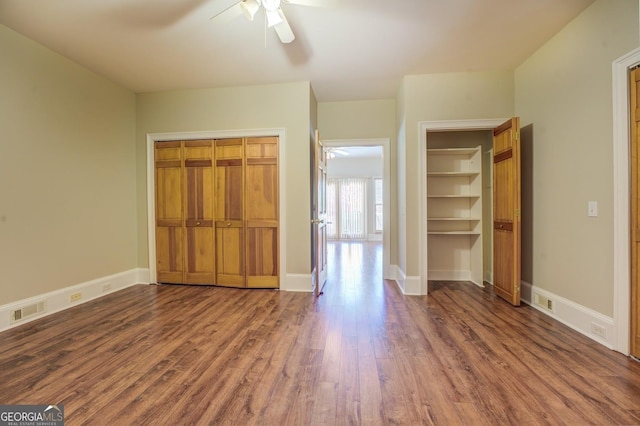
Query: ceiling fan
x=336 y=151
x=274 y=16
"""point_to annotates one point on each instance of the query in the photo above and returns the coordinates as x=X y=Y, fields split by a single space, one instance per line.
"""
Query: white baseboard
x=412 y=286
x=452 y=275
x=298 y=282
x=374 y=237
x=408 y=285
x=390 y=272
x=578 y=317
x=488 y=277
x=59 y=300
x=400 y=278
x=449 y=275
x=144 y=276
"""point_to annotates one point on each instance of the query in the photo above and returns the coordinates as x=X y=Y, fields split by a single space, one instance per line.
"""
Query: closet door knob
x=197 y=223
x=228 y=223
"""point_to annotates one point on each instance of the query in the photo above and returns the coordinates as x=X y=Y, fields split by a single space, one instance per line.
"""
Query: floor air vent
x=27 y=311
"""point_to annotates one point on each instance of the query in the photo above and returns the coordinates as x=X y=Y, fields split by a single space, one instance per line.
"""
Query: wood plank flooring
x=360 y=354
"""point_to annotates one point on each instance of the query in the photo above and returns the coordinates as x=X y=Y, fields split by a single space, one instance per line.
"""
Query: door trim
x=216 y=134
x=387 y=272
x=621 y=201
x=423 y=128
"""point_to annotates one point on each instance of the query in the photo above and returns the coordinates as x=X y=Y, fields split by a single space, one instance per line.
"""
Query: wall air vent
x=27 y=311
x=543 y=301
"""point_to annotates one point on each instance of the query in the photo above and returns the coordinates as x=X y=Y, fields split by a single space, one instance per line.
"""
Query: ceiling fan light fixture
x=271 y=5
x=273 y=18
x=249 y=8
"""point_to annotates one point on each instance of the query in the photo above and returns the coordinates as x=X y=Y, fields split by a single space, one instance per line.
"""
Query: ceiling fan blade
x=283 y=29
x=313 y=3
x=337 y=151
x=225 y=10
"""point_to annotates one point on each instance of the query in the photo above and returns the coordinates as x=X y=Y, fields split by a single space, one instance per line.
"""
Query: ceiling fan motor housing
x=271 y=5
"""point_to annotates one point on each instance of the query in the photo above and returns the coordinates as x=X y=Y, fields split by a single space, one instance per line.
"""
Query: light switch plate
x=592 y=209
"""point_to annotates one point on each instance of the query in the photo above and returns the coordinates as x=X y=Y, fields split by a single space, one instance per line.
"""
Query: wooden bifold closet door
x=184 y=212
x=261 y=212
x=247 y=212
x=217 y=212
x=230 y=237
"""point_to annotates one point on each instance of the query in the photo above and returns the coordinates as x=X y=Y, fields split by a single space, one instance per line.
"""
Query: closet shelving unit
x=454 y=214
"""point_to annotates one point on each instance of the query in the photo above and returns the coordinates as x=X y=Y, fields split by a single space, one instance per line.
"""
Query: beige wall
x=564 y=96
x=365 y=120
x=357 y=119
x=254 y=107
x=435 y=97
x=67 y=172
x=355 y=167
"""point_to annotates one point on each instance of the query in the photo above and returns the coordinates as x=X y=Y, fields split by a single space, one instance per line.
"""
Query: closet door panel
x=262 y=255
x=169 y=255
x=229 y=179
x=198 y=207
x=262 y=190
x=230 y=254
x=229 y=208
x=261 y=212
x=169 y=214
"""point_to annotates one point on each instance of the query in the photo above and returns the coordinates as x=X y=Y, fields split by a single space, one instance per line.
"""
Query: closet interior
x=459 y=206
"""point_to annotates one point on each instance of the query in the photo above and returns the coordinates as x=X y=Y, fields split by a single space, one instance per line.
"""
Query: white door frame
x=621 y=200
x=424 y=127
x=385 y=143
x=184 y=136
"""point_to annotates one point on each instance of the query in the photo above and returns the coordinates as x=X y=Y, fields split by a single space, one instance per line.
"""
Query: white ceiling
x=356 y=151
x=349 y=50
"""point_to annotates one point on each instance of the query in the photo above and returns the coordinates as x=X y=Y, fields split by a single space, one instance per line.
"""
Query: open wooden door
x=506 y=211
x=320 y=213
x=635 y=213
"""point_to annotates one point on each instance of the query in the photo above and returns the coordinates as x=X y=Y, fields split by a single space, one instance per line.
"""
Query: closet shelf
x=453 y=233
x=452 y=151
x=454 y=218
x=452 y=196
x=452 y=174
x=454 y=213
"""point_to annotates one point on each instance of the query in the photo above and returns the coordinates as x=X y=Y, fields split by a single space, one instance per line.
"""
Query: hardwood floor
x=360 y=354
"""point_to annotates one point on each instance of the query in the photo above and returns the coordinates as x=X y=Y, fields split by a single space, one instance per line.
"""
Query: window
x=346 y=208
x=377 y=182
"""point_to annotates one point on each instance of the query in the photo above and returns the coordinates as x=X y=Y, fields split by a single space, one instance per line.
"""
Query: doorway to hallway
x=354 y=270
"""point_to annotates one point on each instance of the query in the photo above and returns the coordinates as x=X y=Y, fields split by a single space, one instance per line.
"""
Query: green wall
x=67 y=172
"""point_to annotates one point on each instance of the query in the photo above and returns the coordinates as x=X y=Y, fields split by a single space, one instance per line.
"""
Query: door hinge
x=517 y=212
x=637 y=235
x=517 y=135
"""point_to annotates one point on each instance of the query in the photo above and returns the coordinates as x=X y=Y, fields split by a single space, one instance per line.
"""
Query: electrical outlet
x=106 y=287
x=598 y=330
x=75 y=297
